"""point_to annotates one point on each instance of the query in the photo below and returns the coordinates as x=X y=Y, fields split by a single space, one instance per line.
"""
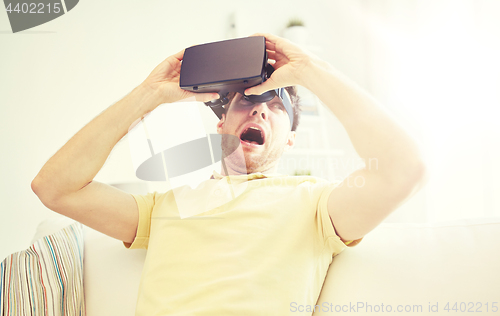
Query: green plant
x=302 y=172
x=295 y=22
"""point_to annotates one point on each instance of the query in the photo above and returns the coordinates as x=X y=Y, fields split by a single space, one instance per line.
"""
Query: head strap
x=217 y=105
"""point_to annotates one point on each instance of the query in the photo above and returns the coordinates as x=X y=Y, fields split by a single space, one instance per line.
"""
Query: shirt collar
x=248 y=177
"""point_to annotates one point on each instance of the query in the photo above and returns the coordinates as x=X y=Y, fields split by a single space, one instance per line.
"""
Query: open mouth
x=252 y=135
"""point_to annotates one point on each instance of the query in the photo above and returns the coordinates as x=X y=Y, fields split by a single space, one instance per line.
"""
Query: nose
x=260 y=109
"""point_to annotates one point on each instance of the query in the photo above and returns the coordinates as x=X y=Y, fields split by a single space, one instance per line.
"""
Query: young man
x=271 y=244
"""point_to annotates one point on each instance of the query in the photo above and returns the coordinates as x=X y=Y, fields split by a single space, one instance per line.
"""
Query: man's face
x=263 y=130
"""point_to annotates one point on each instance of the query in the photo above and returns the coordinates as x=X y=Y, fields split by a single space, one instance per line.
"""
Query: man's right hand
x=164 y=82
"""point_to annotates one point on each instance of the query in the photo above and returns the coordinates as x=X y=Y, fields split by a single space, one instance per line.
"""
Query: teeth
x=255 y=128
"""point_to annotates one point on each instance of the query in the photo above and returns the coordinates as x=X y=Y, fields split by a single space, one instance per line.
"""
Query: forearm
x=81 y=158
x=374 y=133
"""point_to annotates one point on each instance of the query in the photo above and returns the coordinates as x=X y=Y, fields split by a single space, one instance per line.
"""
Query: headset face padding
x=218 y=105
x=269 y=95
x=266 y=96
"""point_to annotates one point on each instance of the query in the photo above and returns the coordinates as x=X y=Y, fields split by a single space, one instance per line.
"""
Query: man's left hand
x=291 y=64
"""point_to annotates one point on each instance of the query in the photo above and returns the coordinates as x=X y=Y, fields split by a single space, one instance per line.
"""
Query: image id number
x=471 y=307
x=34 y=8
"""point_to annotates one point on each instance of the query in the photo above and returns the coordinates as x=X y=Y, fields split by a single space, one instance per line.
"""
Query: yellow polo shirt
x=267 y=246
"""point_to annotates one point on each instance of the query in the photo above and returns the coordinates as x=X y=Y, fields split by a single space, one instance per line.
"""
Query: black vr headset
x=230 y=66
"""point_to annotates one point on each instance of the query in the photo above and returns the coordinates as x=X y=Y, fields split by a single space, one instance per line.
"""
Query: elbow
x=36 y=186
x=415 y=177
x=43 y=191
x=407 y=179
x=419 y=175
x=422 y=176
x=415 y=169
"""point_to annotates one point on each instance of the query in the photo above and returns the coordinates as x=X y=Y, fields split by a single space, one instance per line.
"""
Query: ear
x=290 y=140
x=220 y=124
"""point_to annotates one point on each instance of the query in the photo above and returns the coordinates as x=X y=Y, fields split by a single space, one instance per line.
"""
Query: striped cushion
x=46 y=278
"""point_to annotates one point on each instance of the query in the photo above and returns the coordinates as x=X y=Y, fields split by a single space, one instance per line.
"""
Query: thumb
x=200 y=97
x=205 y=97
x=267 y=85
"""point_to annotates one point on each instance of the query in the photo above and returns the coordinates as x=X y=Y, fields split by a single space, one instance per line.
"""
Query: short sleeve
x=145 y=204
x=334 y=242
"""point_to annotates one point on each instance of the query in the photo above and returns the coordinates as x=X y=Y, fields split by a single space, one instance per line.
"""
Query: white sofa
x=414 y=268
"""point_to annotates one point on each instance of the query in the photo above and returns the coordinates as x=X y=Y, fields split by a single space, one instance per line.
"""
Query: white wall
x=56 y=77
x=435 y=65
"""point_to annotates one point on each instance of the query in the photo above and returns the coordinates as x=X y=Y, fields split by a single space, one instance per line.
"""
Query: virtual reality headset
x=230 y=66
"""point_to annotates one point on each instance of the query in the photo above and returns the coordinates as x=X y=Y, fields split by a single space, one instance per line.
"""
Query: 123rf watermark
x=433 y=307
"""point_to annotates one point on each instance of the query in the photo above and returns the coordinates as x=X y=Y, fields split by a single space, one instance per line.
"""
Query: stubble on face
x=248 y=162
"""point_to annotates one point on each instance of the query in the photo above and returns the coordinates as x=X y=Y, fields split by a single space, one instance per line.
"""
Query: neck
x=226 y=169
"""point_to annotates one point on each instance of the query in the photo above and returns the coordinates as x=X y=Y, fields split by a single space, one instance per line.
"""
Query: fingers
x=267 y=85
x=271 y=55
x=170 y=62
x=275 y=55
x=200 y=97
x=179 y=55
x=257 y=34
x=270 y=40
x=205 y=97
x=269 y=37
x=270 y=46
